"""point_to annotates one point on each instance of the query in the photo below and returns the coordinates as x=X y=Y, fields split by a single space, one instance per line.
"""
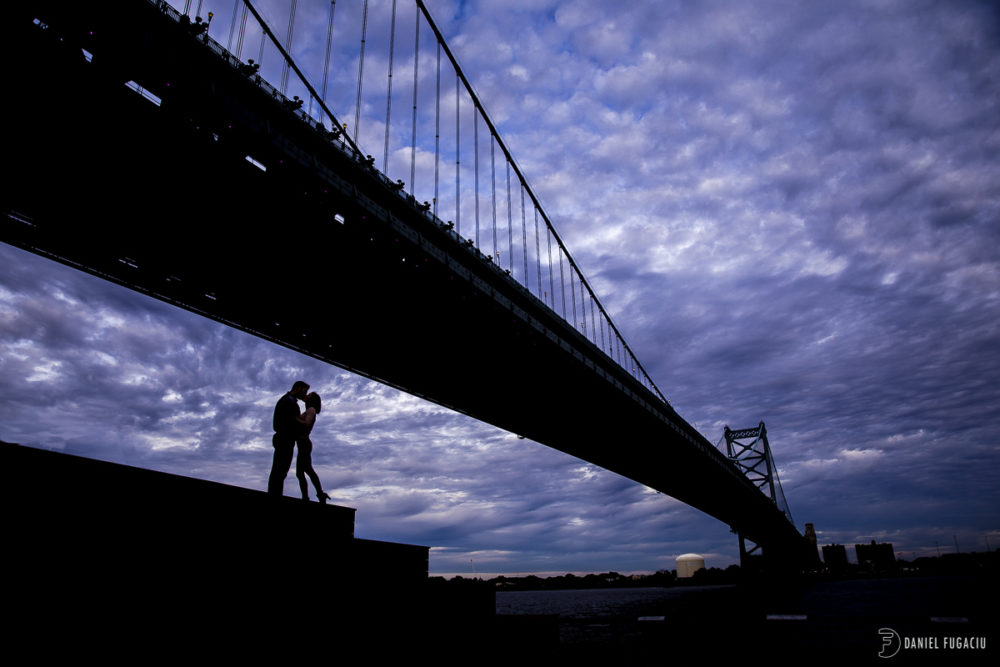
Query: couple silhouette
x=292 y=428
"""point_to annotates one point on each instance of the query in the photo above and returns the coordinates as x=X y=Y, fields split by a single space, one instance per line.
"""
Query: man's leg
x=280 y=464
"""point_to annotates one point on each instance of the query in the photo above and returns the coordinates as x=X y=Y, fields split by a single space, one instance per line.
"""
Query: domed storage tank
x=688 y=564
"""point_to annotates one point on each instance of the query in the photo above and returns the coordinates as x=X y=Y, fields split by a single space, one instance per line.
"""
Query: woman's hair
x=313 y=401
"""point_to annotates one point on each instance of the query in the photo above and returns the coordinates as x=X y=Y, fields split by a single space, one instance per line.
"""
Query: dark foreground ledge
x=100 y=557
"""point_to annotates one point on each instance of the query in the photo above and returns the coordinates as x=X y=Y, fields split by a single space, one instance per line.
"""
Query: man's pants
x=282 y=461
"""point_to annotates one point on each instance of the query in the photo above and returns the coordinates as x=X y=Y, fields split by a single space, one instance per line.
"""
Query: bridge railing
x=490 y=205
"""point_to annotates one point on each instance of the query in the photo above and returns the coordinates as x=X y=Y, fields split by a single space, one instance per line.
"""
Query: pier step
x=93 y=548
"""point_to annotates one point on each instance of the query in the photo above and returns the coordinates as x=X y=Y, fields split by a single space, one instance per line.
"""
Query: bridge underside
x=317 y=253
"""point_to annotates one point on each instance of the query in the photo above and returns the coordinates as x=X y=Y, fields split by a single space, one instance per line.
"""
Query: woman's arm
x=308 y=417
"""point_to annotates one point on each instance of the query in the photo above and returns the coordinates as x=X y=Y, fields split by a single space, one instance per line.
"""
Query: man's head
x=299 y=389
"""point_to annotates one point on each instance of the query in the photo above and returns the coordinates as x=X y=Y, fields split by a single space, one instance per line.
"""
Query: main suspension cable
x=298 y=72
x=584 y=285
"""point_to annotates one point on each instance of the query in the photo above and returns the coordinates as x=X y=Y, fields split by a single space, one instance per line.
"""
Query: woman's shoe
x=322 y=497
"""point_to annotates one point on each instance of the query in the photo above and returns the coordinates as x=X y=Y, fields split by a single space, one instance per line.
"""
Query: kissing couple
x=291 y=428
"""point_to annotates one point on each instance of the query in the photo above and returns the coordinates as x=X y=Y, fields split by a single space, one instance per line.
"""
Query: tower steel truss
x=750 y=452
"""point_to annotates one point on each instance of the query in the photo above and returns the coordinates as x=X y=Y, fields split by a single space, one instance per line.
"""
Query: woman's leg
x=303 y=464
x=315 y=480
x=303 y=467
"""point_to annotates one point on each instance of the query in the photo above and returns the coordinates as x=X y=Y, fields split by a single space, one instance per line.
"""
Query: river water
x=818 y=622
x=597 y=603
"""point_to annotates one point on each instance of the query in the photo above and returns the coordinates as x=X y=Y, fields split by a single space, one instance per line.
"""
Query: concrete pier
x=103 y=556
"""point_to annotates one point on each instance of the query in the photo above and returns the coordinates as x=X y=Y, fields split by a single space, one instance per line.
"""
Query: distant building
x=835 y=557
x=810 y=536
x=875 y=556
x=688 y=564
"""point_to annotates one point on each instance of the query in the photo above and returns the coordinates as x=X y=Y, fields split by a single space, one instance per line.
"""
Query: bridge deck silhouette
x=316 y=251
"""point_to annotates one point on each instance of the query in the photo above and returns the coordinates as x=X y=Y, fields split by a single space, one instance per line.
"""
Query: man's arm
x=286 y=414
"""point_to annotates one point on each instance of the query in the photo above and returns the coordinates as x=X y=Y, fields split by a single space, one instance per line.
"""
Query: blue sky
x=790 y=209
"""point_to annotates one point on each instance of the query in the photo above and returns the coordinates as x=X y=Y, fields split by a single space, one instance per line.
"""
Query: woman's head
x=313 y=401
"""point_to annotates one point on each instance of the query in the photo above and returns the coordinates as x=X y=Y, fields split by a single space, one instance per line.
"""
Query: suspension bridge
x=218 y=158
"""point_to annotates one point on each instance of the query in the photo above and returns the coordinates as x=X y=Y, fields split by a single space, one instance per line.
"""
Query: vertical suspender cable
x=243 y=29
x=361 y=70
x=562 y=284
x=552 y=286
x=288 y=47
x=538 y=256
x=572 y=293
x=260 y=52
x=413 y=132
x=493 y=178
x=524 y=237
x=600 y=322
x=510 y=227
x=458 y=157
x=586 y=303
x=437 y=128
x=329 y=43
x=388 y=96
x=593 y=322
x=475 y=143
x=232 y=27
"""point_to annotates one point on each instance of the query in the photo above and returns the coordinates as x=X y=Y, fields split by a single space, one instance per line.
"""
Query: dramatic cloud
x=790 y=209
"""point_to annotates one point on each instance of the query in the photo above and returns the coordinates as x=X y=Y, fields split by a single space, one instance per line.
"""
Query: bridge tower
x=749 y=450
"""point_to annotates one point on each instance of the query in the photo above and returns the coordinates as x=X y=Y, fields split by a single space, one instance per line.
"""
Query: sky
x=790 y=209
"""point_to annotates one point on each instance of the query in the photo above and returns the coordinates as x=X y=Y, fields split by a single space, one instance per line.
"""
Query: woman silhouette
x=303 y=463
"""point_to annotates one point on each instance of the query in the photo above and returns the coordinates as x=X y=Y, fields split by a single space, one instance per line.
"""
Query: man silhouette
x=286 y=428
